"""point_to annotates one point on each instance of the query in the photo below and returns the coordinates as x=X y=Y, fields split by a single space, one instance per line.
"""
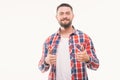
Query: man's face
x=64 y=16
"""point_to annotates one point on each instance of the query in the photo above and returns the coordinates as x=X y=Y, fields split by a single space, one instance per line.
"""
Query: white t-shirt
x=63 y=69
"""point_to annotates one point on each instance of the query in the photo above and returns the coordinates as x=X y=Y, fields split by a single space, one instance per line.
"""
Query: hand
x=50 y=59
x=82 y=55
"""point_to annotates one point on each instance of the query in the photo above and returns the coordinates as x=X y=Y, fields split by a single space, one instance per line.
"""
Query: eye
x=68 y=13
x=61 y=13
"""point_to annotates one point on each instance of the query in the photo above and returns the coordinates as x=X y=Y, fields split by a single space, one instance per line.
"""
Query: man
x=68 y=51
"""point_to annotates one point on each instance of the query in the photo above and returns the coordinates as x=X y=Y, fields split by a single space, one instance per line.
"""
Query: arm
x=93 y=62
x=42 y=64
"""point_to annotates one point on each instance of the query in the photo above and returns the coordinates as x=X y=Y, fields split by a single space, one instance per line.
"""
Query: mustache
x=65 y=19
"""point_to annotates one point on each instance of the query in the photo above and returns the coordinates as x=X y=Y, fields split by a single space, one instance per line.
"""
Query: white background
x=25 y=24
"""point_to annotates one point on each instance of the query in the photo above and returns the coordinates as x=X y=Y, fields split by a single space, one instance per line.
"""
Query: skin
x=65 y=16
x=82 y=55
x=50 y=59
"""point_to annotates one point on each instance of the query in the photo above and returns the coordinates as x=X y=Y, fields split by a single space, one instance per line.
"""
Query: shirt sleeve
x=41 y=65
x=93 y=62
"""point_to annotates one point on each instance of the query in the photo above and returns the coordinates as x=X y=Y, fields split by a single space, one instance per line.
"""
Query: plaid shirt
x=78 y=69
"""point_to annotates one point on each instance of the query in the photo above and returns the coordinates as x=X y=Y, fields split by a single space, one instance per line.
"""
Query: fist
x=50 y=59
x=82 y=55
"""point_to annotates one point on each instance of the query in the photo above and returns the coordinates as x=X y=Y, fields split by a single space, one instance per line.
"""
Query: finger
x=77 y=50
x=80 y=59
x=82 y=48
x=78 y=53
x=52 y=58
x=49 y=51
x=52 y=61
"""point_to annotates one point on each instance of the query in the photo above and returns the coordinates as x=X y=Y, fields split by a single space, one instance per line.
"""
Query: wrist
x=45 y=62
x=88 y=59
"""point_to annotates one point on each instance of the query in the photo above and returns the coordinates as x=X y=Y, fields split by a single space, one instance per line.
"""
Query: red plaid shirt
x=78 y=69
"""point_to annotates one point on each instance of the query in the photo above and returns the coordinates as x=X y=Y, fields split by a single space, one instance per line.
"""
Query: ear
x=56 y=17
x=73 y=16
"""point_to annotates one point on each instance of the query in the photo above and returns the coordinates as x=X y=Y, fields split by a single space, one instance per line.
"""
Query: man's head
x=64 y=15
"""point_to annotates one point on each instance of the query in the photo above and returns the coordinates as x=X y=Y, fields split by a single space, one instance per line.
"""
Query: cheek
x=58 y=18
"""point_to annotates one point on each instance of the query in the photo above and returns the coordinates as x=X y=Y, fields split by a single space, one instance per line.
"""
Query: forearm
x=93 y=63
x=43 y=67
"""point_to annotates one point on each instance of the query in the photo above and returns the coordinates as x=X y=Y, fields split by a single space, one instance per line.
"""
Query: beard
x=65 y=25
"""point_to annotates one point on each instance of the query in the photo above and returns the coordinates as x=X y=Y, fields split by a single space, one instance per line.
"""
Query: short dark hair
x=64 y=5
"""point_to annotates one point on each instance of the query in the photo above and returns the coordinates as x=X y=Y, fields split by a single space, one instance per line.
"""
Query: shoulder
x=49 y=38
x=82 y=34
x=79 y=32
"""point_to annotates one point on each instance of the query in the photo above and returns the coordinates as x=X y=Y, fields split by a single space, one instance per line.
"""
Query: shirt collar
x=73 y=33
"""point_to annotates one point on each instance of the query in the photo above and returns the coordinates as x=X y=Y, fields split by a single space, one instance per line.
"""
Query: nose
x=64 y=16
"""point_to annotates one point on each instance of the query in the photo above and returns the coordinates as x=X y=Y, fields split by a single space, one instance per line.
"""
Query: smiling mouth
x=65 y=19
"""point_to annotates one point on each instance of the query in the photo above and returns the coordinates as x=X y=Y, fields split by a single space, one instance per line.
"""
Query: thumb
x=49 y=51
x=82 y=49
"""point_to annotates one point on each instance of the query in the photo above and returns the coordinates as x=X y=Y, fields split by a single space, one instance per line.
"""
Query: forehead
x=64 y=9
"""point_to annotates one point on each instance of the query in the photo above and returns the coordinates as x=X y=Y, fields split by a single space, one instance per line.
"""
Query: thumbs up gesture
x=81 y=55
x=50 y=59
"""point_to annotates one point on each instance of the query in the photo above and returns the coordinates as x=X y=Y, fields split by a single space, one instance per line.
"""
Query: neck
x=65 y=32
